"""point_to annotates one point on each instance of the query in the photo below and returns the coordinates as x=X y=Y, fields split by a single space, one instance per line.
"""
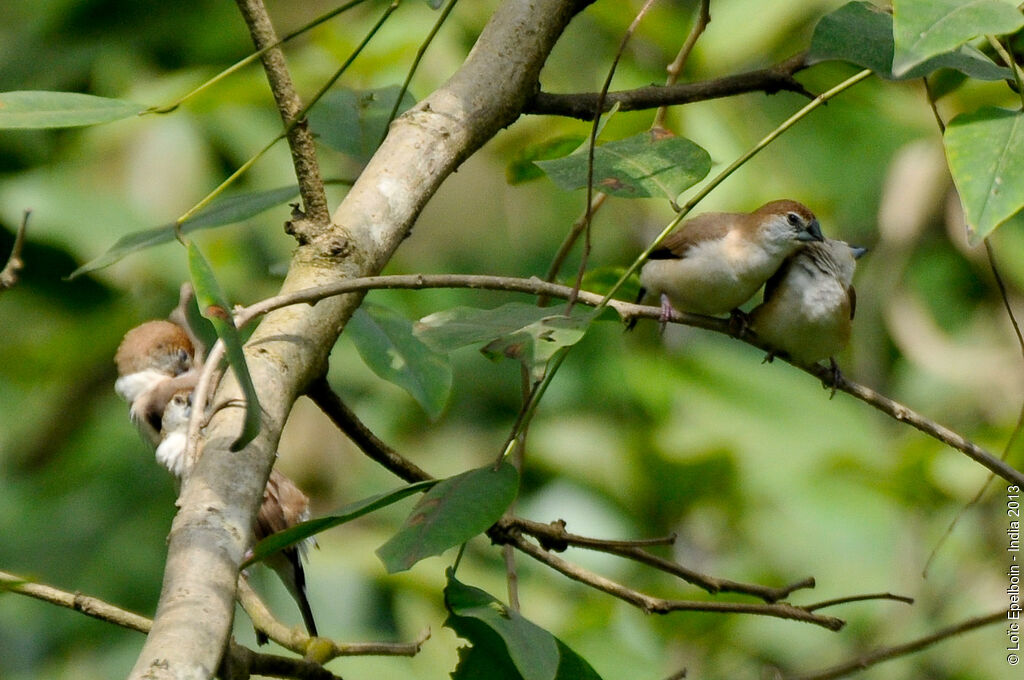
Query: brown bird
x=715 y=262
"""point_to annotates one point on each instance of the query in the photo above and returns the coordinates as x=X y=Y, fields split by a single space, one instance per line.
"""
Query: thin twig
x=554 y=537
x=90 y=606
x=657 y=605
x=858 y=598
x=582 y=106
x=881 y=654
x=675 y=69
x=626 y=310
x=9 y=274
x=345 y=419
x=289 y=105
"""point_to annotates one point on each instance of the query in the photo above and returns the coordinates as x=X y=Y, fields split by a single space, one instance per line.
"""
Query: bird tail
x=288 y=565
x=639 y=298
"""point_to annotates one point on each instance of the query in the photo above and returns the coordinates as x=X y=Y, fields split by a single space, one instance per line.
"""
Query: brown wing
x=706 y=227
x=284 y=505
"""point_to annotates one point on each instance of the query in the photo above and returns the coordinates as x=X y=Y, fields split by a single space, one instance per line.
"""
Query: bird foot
x=666 y=312
x=739 y=323
x=834 y=378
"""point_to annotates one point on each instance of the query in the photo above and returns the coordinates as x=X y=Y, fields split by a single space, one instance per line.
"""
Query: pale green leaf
x=42 y=109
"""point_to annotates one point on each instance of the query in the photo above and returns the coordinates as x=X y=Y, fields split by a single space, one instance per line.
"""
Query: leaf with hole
x=229 y=210
x=861 y=34
x=449 y=514
x=354 y=121
x=386 y=342
x=300 y=532
x=504 y=643
x=214 y=306
x=652 y=163
x=37 y=109
x=984 y=149
x=925 y=28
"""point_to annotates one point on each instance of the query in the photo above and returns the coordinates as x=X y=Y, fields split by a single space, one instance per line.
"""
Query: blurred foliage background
x=762 y=477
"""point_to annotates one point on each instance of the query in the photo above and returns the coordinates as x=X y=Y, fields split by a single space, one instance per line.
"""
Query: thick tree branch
x=768 y=80
x=289 y=349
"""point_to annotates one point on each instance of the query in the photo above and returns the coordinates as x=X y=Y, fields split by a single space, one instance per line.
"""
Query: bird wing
x=706 y=227
x=852 y=294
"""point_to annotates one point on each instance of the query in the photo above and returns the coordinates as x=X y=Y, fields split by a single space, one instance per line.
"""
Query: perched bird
x=284 y=504
x=809 y=304
x=715 y=262
x=157 y=374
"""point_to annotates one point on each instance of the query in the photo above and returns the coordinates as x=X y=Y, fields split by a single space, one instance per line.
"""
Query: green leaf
x=386 y=343
x=861 y=34
x=505 y=645
x=300 y=532
x=41 y=109
x=451 y=513
x=516 y=330
x=354 y=121
x=224 y=211
x=214 y=306
x=984 y=150
x=652 y=163
x=523 y=169
x=925 y=28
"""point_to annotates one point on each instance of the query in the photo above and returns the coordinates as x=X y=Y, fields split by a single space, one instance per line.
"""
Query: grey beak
x=857 y=251
x=812 y=233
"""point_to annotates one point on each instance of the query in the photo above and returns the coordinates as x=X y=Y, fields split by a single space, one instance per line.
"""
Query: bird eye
x=183 y=356
x=794 y=219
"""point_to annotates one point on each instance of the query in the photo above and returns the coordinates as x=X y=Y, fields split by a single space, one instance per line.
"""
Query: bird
x=157 y=374
x=284 y=504
x=715 y=262
x=809 y=304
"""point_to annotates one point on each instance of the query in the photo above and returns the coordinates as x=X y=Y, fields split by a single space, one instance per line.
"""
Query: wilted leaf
x=219 y=213
x=652 y=163
x=354 y=121
x=452 y=512
x=41 y=109
x=984 y=149
x=925 y=28
x=386 y=343
x=861 y=34
x=300 y=532
x=214 y=306
x=505 y=644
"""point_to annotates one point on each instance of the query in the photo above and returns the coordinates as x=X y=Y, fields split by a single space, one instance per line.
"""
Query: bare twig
x=300 y=140
x=626 y=310
x=657 y=605
x=858 y=598
x=885 y=653
x=554 y=537
x=582 y=106
x=675 y=69
x=9 y=274
x=347 y=421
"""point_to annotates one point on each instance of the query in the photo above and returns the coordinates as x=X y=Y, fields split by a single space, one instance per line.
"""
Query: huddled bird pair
x=158 y=369
x=717 y=261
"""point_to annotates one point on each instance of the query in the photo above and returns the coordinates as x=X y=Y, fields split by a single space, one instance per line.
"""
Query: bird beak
x=857 y=251
x=812 y=233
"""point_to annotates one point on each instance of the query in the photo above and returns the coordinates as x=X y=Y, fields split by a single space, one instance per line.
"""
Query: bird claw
x=739 y=323
x=666 y=312
x=835 y=376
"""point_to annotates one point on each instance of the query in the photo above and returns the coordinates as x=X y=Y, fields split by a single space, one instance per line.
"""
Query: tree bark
x=289 y=349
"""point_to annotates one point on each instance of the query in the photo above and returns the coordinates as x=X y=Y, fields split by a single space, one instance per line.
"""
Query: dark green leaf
x=353 y=121
x=523 y=169
x=219 y=213
x=41 y=109
x=925 y=28
x=300 y=532
x=984 y=150
x=504 y=640
x=652 y=163
x=861 y=34
x=386 y=343
x=451 y=513
x=214 y=306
